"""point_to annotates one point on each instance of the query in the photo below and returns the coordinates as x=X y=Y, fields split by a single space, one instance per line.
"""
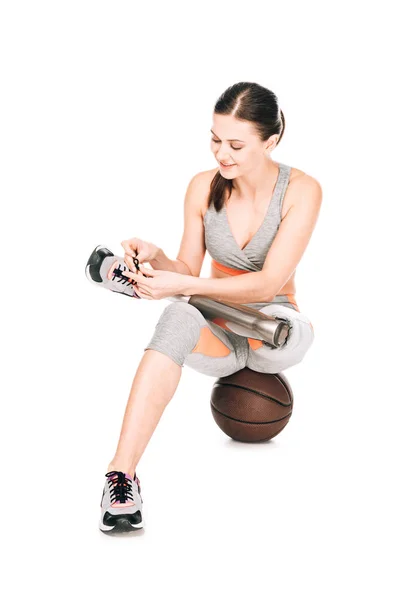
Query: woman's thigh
x=190 y=340
x=265 y=359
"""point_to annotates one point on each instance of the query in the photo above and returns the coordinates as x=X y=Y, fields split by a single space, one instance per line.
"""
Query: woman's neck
x=254 y=186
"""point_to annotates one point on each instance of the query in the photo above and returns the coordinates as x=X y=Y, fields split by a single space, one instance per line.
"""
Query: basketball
x=251 y=407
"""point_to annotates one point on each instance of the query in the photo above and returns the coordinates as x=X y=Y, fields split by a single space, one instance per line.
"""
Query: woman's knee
x=177 y=331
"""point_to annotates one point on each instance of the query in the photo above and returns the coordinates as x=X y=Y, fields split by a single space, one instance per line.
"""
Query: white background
x=105 y=117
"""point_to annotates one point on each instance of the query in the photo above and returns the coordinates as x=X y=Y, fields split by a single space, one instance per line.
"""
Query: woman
x=255 y=217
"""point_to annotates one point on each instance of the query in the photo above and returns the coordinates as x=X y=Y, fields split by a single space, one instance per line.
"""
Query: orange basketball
x=251 y=407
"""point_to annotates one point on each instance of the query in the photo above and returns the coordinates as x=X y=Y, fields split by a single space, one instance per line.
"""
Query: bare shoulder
x=199 y=185
x=303 y=188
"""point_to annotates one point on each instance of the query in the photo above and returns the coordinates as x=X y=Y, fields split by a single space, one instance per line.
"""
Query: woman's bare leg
x=153 y=386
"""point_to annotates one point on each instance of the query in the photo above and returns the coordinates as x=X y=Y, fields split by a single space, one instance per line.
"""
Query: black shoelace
x=118 y=272
x=120 y=487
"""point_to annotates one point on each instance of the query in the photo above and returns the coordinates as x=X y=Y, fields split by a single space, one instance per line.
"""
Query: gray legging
x=179 y=328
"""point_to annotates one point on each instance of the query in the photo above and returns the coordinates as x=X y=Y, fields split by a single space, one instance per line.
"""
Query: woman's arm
x=192 y=249
x=240 y=289
x=162 y=263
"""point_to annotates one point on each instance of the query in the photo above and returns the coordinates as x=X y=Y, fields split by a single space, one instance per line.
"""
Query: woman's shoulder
x=301 y=178
x=301 y=185
x=206 y=177
x=203 y=180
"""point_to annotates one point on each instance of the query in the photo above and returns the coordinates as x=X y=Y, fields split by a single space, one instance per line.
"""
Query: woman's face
x=235 y=143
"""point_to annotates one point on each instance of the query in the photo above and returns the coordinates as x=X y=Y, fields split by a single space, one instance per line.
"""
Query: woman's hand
x=141 y=250
x=157 y=284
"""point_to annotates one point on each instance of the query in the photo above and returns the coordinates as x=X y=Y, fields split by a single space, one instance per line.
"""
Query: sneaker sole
x=122 y=525
x=87 y=268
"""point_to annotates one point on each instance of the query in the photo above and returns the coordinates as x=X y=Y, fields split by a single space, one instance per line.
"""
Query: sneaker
x=106 y=269
x=121 y=503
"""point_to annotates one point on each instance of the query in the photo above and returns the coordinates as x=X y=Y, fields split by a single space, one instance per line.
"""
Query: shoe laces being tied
x=118 y=271
x=120 y=487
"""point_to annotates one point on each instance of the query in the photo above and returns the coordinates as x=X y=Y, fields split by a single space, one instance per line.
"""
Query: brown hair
x=248 y=102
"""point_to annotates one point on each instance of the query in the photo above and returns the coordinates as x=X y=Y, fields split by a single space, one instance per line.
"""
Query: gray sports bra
x=223 y=247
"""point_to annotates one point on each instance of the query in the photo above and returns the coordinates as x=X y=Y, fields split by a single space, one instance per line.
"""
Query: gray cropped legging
x=179 y=327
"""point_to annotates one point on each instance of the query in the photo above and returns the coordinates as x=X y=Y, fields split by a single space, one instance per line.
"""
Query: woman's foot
x=107 y=270
x=121 y=503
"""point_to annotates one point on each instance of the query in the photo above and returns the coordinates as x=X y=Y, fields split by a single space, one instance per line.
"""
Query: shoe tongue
x=127 y=475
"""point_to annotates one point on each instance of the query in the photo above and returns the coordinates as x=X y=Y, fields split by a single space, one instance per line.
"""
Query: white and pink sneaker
x=107 y=270
x=121 y=503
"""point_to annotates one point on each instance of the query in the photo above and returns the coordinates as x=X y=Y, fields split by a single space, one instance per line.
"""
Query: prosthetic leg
x=271 y=330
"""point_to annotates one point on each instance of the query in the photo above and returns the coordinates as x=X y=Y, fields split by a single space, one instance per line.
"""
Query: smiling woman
x=255 y=223
x=255 y=248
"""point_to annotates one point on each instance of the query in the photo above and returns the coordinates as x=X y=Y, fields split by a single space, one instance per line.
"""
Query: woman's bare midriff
x=288 y=200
